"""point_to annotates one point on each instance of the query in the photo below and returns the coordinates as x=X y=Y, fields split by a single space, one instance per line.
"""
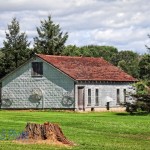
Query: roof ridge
x=70 y=56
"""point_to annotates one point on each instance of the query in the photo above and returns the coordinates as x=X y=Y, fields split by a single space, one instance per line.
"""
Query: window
x=89 y=97
x=118 y=96
x=37 y=69
x=124 y=93
x=96 y=97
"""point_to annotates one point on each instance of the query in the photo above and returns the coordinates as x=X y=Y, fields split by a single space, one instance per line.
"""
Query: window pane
x=37 y=69
x=89 y=97
x=40 y=67
x=118 y=96
x=124 y=92
x=89 y=92
x=96 y=97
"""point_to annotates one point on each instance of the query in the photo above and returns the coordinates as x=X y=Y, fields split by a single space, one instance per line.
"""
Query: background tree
x=71 y=50
x=99 y=51
x=50 y=38
x=91 y=51
x=15 y=50
x=144 y=66
x=148 y=48
x=127 y=61
x=1 y=63
x=142 y=98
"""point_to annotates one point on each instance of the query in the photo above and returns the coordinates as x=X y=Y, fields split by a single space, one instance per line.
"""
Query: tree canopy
x=127 y=61
x=90 y=51
x=16 y=48
x=144 y=66
x=50 y=39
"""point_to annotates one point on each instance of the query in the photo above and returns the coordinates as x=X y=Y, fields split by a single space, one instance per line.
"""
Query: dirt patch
x=48 y=142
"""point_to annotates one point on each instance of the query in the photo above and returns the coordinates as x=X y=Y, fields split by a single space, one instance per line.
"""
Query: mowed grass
x=90 y=131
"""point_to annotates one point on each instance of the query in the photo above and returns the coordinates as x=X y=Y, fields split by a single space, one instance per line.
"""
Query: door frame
x=83 y=101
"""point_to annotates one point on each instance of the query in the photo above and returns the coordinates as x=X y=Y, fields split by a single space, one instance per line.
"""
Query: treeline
x=51 y=40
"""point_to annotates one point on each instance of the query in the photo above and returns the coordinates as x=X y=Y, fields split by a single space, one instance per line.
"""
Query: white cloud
x=121 y=23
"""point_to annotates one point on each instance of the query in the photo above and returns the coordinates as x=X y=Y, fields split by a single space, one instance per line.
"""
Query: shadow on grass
x=122 y=114
x=134 y=114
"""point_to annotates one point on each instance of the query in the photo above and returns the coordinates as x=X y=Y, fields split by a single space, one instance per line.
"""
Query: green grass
x=90 y=131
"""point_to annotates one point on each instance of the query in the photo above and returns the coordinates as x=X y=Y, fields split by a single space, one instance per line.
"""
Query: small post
x=107 y=105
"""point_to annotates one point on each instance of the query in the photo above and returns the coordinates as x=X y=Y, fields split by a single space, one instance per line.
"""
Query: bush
x=142 y=103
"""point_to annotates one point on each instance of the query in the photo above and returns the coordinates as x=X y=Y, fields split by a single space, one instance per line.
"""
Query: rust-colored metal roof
x=87 y=68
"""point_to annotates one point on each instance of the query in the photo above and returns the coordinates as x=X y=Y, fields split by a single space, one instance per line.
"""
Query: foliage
x=122 y=64
x=142 y=97
x=1 y=64
x=71 y=50
x=50 y=39
x=144 y=66
x=91 y=51
x=142 y=104
x=141 y=88
x=98 y=131
x=148 y=48
x=99 y=51
x=15 y=50
x=127 y=61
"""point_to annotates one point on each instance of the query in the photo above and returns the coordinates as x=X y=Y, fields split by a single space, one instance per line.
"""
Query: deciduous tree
x=144 y=66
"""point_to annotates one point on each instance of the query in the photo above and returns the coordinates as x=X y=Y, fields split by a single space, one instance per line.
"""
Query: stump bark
x=46 y=131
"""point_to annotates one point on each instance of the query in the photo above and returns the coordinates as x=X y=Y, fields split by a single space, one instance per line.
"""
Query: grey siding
x=105 y=89
x=18 y=87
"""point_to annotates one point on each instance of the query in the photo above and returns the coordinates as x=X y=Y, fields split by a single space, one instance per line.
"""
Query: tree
x=122 y=65
x=144 y=66
x=127 y=61
x=148 y=48
x=90 y=51
x=142 y=98
x=50 y=38
x=99 y=51
x=1 y=63
x=71 y=50
x=15 y=50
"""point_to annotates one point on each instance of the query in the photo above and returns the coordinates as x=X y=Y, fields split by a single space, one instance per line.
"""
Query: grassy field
x=90 y=131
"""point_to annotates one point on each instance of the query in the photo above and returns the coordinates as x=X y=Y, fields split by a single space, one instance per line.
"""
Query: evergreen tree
x=50 y=38
x=15 y=48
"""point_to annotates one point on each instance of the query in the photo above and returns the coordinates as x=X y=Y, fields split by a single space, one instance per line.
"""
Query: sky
x=124 y=24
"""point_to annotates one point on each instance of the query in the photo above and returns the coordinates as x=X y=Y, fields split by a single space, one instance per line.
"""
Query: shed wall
x=105 y=89
x=18 y=88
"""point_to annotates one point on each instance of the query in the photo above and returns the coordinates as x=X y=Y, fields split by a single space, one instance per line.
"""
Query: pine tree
x=15 y=48
x=50 y=38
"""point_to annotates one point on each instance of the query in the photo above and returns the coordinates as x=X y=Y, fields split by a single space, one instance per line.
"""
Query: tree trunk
x=46 y=131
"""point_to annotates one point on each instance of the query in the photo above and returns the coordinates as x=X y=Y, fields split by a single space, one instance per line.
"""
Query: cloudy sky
x=124 y=24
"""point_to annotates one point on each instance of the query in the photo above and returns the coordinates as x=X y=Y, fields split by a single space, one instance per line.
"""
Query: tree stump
x=46 y=131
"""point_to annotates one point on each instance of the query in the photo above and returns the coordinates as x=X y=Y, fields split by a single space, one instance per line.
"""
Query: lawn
x=90 y=131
